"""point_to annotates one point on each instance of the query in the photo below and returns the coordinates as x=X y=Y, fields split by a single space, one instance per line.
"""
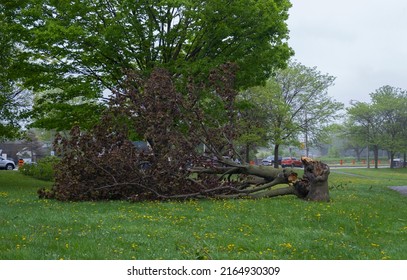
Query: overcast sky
x=363 y=43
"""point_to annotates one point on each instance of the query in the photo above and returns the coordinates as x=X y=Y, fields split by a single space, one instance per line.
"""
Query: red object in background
x=291 y=162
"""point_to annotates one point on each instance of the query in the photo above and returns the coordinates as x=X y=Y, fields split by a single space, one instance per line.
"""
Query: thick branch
x=268 y=173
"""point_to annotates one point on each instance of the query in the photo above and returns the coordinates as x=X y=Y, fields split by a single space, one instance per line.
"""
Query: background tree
x=366 y=124
x=391 y=106
x=253 y=124
x=382 y=122
x=298 y=104
x=354 y=137
x=330 y=140
x=79 y=49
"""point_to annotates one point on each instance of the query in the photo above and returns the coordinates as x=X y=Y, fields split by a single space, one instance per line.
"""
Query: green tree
x=252 y=121
x=391 y=104
x=354 y=138
x=365 y=124
x=298 y=104
x=82 y=47
x=382 y=122
x=12 y=97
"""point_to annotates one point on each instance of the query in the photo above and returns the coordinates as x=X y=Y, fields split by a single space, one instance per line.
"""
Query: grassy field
x=364 y=220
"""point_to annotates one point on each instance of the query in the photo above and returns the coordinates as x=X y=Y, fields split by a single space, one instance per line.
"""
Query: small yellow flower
x=231 y=247
x=375 y=245
x=287 y=245
x=3 y=194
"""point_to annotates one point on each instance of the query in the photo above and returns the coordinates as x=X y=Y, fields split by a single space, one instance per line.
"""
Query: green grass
x=364 y=220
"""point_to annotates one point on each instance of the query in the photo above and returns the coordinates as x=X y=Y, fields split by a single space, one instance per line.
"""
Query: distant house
x=29 y=151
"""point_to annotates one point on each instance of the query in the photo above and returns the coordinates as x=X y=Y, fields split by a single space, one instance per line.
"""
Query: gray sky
x=363 y=43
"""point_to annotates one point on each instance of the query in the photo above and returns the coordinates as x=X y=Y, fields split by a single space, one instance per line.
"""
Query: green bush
x=43 y=169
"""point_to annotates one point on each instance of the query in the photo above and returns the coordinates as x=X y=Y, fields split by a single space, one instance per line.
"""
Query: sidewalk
x=400 y=189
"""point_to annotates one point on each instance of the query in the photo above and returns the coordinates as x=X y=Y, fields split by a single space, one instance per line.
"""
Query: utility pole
x=368 y=159
x=306 y=135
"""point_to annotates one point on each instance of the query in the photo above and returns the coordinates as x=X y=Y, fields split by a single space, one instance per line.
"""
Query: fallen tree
x=103 y=163
x=121 y=173
x=260 y=180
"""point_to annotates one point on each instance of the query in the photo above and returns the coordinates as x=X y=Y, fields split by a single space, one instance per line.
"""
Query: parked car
x=270 y=160
x=398 y=162
x=291 y=162
x=13 y=160
x=267 y=161
x=7 y=164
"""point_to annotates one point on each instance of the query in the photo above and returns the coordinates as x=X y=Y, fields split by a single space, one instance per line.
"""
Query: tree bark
x=247 y=152
x=392 y=159
x=276 y=147
x=376 y=155
x=315 y=180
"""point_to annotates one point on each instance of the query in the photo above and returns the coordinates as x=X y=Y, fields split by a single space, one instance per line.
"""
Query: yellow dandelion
x=231 y=247
x=3 y=194
x=287 y=245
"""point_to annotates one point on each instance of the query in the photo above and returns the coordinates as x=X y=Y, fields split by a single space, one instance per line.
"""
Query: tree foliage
x=252 y=123
x=13 y=98
x=381 y=123
x=78 y=49
x=390 y=104
x=297 y=102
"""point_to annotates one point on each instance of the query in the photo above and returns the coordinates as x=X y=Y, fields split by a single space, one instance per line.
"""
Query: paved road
x=349 y=174
x=400 y=189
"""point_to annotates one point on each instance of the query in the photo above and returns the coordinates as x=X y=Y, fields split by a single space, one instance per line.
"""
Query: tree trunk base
x=314 y=184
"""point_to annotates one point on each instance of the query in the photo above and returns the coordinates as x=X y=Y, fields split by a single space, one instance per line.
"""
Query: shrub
x=43 y=169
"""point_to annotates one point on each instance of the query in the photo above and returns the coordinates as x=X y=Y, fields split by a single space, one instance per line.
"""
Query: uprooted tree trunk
x=315 y=179
x=262 y=181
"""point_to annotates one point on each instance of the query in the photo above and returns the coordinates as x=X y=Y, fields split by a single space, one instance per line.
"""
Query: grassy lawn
x=364 y=220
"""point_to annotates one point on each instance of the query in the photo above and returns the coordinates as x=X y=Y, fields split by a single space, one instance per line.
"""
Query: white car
x=7 y=164
x=268 y=160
